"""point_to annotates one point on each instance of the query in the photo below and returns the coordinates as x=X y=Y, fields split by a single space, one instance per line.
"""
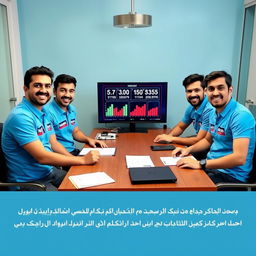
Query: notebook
x=151 y=175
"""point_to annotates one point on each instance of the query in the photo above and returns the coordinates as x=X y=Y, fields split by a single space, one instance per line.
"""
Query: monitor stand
x=132 y=128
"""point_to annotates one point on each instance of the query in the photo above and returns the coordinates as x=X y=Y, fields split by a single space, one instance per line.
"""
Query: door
x=251 y=88
x=10 y=58
x=247 y=79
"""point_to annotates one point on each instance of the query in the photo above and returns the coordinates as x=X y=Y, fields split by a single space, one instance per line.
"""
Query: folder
x=152 y=175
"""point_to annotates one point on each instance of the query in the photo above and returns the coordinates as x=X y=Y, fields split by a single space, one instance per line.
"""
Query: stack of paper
x=90 y=179
x=103 y=151
x=139 y=161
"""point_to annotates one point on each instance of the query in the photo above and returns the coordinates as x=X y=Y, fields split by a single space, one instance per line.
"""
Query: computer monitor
x=132 y=102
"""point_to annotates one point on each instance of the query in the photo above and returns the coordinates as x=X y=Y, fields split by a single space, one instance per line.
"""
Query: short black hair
x=193 y=78
x=63 y=78
x=37 y=71
x=217 y=74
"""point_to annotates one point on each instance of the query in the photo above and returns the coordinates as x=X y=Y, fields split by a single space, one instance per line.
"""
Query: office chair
x=3 y=171
x=249 y=186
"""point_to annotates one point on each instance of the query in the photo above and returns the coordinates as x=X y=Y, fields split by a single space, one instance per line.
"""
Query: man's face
x=195 y=94
x=39 y=91
x=218 y=93
x=65 y=94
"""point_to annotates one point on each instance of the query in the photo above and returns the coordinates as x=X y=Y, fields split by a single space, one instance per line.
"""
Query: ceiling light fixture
x=132 y=19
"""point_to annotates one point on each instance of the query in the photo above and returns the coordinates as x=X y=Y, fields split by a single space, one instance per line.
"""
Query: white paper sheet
x=90 y=179
x=103 y=151
x=139 y=161
x=172 y=160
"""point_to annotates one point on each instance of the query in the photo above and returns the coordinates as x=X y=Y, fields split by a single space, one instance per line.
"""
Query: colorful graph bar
x=153 y=112
x=114 y=111
x=139 y=111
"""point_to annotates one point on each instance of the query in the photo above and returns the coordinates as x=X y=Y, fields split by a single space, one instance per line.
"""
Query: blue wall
x=78 y=38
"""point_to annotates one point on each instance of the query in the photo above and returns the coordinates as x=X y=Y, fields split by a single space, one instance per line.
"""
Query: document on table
x=173 y=160
x=138 y=161
x=103 y=151
x=90 y=179
x=108 y=136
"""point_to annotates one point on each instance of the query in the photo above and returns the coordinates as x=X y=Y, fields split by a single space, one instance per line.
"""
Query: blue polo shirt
x=234 y=122
x=25 y=124
x=63 y=123
x=199 y=117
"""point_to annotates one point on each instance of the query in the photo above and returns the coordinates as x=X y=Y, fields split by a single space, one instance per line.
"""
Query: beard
x=198 y=103
x=217 y=105
x=36 y=102
x=64 y=104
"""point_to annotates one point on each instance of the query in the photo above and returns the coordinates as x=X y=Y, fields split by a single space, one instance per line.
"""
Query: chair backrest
x=252 y=175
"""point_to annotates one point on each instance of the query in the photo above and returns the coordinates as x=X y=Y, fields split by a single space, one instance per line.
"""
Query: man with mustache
x=28 y=140
x=63 y=115
x=197 y=113
x=231 y=135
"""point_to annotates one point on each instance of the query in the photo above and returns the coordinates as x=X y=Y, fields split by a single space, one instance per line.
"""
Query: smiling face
x=65 y=94
x=39 y=91
x=218 y=93
x=195 y=94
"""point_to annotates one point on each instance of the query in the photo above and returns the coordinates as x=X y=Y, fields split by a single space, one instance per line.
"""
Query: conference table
x=115 y=166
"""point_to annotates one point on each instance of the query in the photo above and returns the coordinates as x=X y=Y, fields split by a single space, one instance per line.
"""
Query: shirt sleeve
x=187 y=116
x=242 y=125
x=205 y=119
x=23 y=129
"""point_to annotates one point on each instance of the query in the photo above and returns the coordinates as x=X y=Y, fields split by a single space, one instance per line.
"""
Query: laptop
x=152 y=175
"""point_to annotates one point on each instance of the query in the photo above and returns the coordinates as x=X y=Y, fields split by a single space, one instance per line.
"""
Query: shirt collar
x=59 y=109
x=231 y=105
x=202 y=106
x=32 y=108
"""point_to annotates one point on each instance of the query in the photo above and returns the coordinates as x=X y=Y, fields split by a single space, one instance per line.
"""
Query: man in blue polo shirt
x=28 y=139
x=197 y=113
x=231 y=135
x=63 y=115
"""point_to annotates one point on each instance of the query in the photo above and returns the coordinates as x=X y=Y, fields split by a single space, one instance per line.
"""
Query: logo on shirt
x=212 y=127
x=49 y=127
x=221 y=131
x=63 y=124
x=40 y=131
x=199 y=123
x=73 y=121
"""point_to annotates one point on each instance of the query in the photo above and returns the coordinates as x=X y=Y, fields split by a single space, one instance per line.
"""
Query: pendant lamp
x=132 y=19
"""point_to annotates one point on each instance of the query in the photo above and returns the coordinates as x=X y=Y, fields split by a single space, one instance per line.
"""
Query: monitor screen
x=132 y=102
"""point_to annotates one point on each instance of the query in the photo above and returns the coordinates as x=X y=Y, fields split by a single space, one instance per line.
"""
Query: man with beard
x=197 y=113
x=63 y=115
x=28 y=140
x=231 y=135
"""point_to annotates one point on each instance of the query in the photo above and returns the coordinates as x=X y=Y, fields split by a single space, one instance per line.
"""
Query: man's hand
x=188 y=162
x=94 y=143
x=92 y=157
x=180 y=151
x=164 y=137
